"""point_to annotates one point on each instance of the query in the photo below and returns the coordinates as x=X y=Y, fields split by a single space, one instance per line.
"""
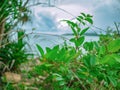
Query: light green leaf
x=110 y=59
x=62 y=83
x=113 y=81
x=102 y=50
x=40 y=50
x=92 y=60
x=114 y=46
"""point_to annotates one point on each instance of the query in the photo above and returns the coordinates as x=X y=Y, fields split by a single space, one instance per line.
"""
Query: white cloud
x=104 y=12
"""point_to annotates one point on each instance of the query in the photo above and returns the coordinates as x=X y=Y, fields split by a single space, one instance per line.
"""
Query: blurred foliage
x=12 y=12
x=14 y=53
x=13 y=9
x=93 y=65
x=68 y=68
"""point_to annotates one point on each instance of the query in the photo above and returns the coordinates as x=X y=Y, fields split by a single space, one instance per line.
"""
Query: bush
x=68 y=68
x=13 y=54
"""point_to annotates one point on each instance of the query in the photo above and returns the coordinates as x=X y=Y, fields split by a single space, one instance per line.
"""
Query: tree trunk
x=2 y=28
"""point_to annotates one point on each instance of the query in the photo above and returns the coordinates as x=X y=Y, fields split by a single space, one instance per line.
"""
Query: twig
x=13 y=61
x=79 y=80
x=5 y=66
x=25 y=3
x=37 y=4
x=117 y=27
x=70 y=81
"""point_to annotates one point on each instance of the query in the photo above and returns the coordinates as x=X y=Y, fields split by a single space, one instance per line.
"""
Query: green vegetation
x=67 y=67
x=14 y=53
x=93 y=65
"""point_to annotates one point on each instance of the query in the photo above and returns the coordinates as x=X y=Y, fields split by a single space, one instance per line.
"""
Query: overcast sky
x=47 y=19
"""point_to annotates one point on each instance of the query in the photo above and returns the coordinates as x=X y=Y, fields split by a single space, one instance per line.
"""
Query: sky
x=48 y=19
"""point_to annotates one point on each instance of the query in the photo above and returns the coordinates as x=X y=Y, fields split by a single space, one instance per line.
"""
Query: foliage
x=92 y=65
x=12 y=13
x=12 y=10
x=14 y=53
x=78 y=31
x=66 y=67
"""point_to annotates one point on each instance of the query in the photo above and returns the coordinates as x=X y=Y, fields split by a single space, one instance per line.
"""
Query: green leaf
x=52 y=54
x=74 y=31
x=83 y=14
x=102 y=50
x=88 y=15
x=72 y=40
x=92 y=60
x=5 y=2
x=82 y=75
x=80 y=41
x=114 y=46
x=84 y=30
x=56 y=74
x=72 y=25
x=48 y=49
x=15 y=10
x=62 y=83
x=89 y=20
x=113 y=81
x=56 y=48
x=117 y=58
x=40 y=50
x=48 y=65
x=110 y=59
x=59 y=78
x=88 y=46
x=80 y=17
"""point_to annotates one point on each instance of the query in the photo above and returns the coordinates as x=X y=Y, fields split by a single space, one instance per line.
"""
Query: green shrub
x=14 y=53
x=68 y=68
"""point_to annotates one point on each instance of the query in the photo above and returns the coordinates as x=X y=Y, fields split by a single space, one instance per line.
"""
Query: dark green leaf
x=88 y=46
x=72 y=25
x=89 y=20
x=88 y=15
x=73 y=40
x=56 y=48
x=80 y=41
x=80 y=17
x=83 y=14
x=84 y=30
x=90 y=60
x=48 y=49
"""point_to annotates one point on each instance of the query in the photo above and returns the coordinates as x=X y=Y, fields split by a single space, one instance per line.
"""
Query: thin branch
x=37 y=4
x=65 y=11
x=79 y=80
x=117 y=27
x=75 y=17
x=25 y=3
x=5 y=66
